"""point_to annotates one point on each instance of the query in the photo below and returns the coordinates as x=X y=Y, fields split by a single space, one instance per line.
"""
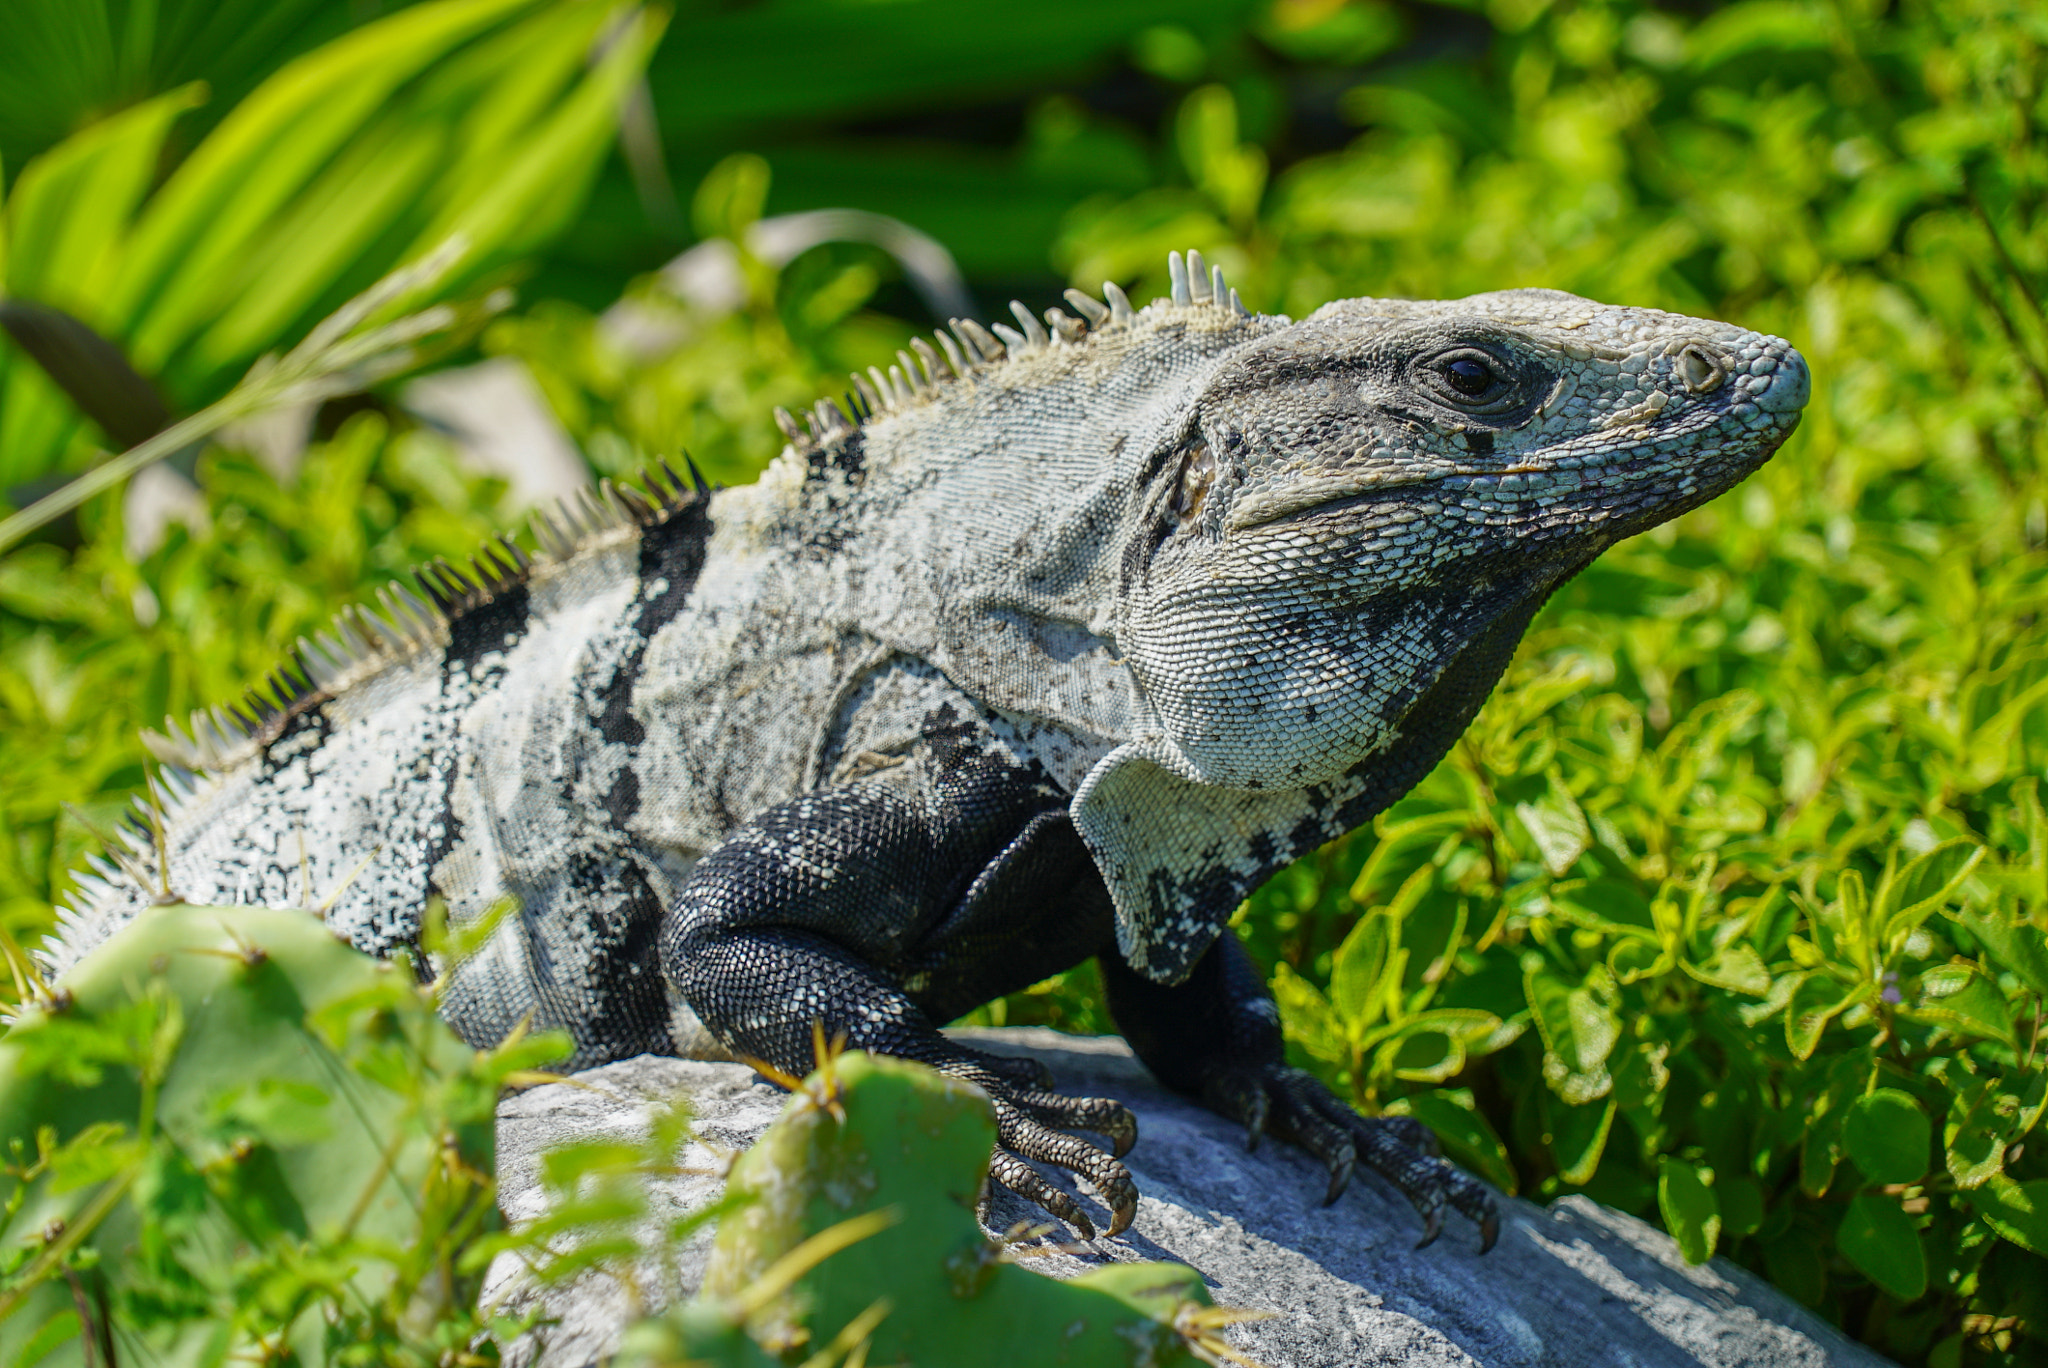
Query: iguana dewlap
x=1062 y=648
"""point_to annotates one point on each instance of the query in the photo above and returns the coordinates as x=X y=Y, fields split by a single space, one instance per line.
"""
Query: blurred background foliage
x=1730 y=909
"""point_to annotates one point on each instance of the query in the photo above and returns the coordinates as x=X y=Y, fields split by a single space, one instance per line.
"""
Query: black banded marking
x=671 y=557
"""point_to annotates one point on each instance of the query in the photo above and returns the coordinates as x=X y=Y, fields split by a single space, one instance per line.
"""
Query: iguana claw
x=1398 y=1148
x=1030 y=1122
x=1341 y=1166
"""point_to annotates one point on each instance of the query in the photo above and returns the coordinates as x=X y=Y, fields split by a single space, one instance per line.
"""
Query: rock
x=1573 y=1285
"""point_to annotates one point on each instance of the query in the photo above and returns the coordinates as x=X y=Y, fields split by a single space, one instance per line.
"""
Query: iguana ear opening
x=1179 y=856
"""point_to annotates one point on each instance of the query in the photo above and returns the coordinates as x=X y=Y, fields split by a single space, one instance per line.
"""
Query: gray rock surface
x=1574 y=1285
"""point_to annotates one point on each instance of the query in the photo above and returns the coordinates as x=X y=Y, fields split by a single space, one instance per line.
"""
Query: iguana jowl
x=1064 y=646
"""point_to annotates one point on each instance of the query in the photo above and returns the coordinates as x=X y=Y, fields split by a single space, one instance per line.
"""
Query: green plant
x=227 y=1133
x=893 y=1155
x=469 y=119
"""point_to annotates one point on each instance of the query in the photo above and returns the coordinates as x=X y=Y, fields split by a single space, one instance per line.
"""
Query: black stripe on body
x=671 y=558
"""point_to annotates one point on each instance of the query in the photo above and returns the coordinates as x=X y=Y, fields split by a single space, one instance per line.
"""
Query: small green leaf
x=1357 y=971
x=1961 y=998
x=1579 y=1030
x=1879 y=1238
x=1973 y=1138
x=1308 y=1018
x=1818 y=1000
x=1578 y=1137
x=1888 y=1134
x=2017 y=1211
x=1431 y=1046
x=1556 y=827
x=1692 y=1214
x=2009 y=942
x=1736 y=967
x=1928 y=880
x=1633 y=960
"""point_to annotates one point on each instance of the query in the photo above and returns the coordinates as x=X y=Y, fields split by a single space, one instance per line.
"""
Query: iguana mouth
x=1322 y=494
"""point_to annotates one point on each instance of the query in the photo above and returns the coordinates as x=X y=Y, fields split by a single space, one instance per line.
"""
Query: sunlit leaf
x=1685 y=1197
x=1578 y=1137
x=1736 y=967
x=1579 y=1029
x=1556 y=826
x=1959 y=997
x=1358 y=972
x=2017 y=1211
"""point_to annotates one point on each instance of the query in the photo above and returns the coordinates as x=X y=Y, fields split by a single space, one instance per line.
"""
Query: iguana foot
x=1030 y=1120
x=1294 y=1105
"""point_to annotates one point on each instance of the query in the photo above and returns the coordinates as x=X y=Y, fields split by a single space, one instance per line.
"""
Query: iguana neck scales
x=1060 y=644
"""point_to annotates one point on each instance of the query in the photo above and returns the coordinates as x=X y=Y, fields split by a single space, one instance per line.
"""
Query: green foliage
x=231 y=1134
x=891 y=1155
x=469 y=119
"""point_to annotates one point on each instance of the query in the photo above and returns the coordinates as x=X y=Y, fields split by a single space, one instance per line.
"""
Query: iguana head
x=1359 y=505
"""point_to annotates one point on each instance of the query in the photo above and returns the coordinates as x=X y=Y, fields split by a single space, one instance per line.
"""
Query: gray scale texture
x=1574 y=1285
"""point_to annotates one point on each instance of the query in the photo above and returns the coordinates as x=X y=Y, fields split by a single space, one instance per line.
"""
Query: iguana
x=1060 y=643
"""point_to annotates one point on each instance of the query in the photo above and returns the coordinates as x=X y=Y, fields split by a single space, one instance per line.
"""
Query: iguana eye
x=1469 y=375
x=1471 y=379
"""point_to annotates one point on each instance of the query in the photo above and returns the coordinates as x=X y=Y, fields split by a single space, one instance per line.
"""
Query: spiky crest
x=966 y=347
x=362 y=640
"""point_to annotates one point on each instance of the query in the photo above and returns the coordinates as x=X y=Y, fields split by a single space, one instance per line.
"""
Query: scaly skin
x=1063 y=648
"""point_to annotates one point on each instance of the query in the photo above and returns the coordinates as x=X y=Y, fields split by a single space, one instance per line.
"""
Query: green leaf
x=1578 y=1137
x=1974 y=1135
x=2017 y=1211
x=1878 y=1237
x=1961 y=998
x=1819 y=999
x=1633 y=960
x=71 y=207
x=1888 y=1135
x=194 y=233
x=1308 y=1019
x=1556 y=826
x=1358 y=970
x=1928 y=881
x=1579 y=1029
x=1736 y=967
x=520 y=205
x=1685 y=1197
x=2010 y=943
x=1431 y=1046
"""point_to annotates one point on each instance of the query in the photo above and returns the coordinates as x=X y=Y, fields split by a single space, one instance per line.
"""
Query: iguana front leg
x=880 y=910
x=1216 y=1037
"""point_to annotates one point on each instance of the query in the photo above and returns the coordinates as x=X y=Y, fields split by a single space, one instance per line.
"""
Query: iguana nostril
x=1700 y=369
